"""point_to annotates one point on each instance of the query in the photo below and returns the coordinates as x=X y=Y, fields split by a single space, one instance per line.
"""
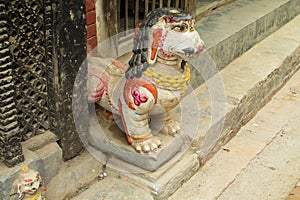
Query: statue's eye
x=180 y=28
x=29 y=184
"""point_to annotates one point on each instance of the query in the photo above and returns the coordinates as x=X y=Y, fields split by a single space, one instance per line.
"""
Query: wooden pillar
x=191 y=6
x=111 y=16
x=66 y=51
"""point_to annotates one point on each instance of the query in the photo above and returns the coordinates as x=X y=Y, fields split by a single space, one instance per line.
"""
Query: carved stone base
x=162 y=182
x=111 y=141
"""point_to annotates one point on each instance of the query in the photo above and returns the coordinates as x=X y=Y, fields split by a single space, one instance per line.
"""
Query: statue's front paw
x=171 y=127
x=147 y=145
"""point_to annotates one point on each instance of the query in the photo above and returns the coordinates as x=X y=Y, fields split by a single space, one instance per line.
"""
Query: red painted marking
x=138 y=82
x=101 y=87
x=157 y=33
x=130 y=105
x=137 y=30
x=119 y=65
x=28 y=180
x=129 y=139
x=200 y=48
x=152 y=88
x=138 y=97
x=44 y=188
x=100 y=75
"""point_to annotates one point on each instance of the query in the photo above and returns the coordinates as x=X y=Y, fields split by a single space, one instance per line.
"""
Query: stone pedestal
x=110 y=140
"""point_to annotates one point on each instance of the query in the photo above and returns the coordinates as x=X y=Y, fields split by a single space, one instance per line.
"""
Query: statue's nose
x=188 y=51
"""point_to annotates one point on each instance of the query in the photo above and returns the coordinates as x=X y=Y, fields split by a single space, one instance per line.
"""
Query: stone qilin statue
x=29 y=185
x=156 y=79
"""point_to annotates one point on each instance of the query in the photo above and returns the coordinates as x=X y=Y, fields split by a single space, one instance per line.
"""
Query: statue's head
x=29 y=182
x=168 y=33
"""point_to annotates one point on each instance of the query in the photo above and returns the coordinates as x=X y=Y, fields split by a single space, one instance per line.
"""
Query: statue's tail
x=98 y=77
x=97 y=82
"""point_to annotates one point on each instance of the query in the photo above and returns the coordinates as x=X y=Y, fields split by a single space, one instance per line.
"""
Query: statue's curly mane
x=138 y=62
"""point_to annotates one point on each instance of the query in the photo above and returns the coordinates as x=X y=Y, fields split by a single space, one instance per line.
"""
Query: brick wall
x=91 y=25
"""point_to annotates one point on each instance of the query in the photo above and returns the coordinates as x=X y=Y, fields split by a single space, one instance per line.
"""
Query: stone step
x=249 y=82
x=206 y=7
x=232 y=30
x=246 y=84
x=261 y=162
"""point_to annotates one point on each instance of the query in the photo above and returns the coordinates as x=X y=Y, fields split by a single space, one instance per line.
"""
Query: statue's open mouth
x=187 y=52
x=32 y=191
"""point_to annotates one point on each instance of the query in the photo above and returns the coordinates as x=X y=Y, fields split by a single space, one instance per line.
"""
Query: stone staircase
x=261 y=162
x=255 y=46
x=234 y=29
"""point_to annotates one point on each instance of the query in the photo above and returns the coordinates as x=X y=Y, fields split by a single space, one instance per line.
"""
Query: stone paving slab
x=73 y=175
x=269 y=142
x=274 y=171
x=114 y=188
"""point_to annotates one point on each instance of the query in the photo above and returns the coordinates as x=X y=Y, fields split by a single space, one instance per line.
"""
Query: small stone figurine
x=156 y=79
x=30 y=185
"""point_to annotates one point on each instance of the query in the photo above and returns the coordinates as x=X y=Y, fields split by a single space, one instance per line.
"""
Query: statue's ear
x=20 y=191
x=156 y=35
